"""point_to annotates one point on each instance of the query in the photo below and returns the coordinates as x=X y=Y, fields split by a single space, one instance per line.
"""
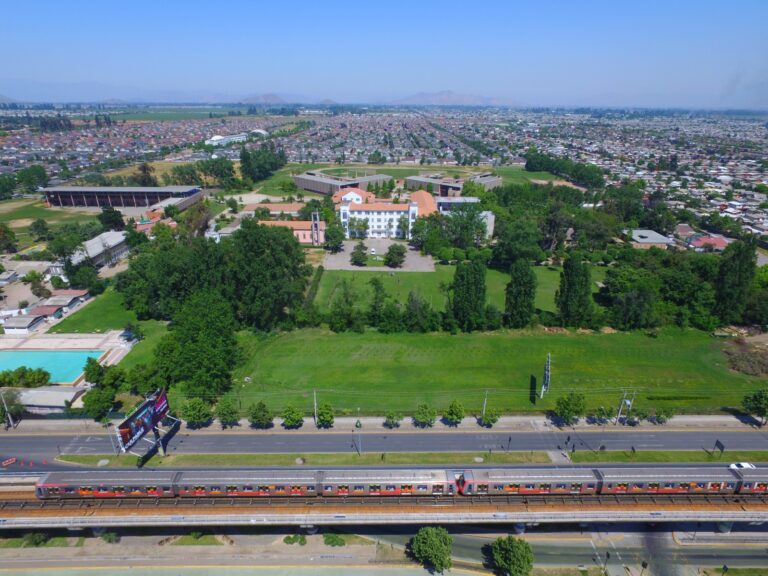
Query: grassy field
x=428 y=284
x=272 y=186
x=105 y=313
x=672 y=456
x=376 y=372
x=330 y=459
x=518 y=175
x=19 y=214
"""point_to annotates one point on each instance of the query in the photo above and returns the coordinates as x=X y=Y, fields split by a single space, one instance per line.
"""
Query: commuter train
x=401 y=482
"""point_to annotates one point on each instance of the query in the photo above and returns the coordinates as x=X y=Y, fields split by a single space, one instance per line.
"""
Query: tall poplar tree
x=468 y=305
x=521 y=294
x=734 y=280
x=574 y=297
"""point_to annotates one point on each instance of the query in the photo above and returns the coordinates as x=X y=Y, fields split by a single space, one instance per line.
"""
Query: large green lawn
x=428 y=284
x=376 y=372
x=19 y=214
x=106 y=312
x=518 y=175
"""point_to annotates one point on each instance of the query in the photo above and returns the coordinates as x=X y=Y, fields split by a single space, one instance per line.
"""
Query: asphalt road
x=46 y=447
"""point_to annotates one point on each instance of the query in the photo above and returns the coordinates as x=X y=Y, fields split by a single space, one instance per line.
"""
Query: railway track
x=127 y=504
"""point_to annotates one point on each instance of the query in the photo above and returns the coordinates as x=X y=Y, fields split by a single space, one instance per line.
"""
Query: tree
x=200 y=350
x=432 y=547
x=98 y=402
x=359 y=255
x=15 y=407
x=395 y=256
x=574 y=297
x=7 y=238
x=111 y=219
x=232 y=205
x=227 y=412
x=603 y=414
x=469 y=295
x=144 y=175
x=571 y=406
x=632 y=295
x=325 y=416
x=344 y=312
x=392 y=419
x=756 y=404
x=517 y=240
x=425 y=416
x=196 y=412
x=512 y=556
x=455 y=413
x=378 y=301
x=734 y=280
x=520 y=295
x=32 y=178
x=418 y=315
x=40 y=230
x=292 y=417
x=93 y=371
x=490 y=417
x=7 y=185
x=334 y=237
x=259 y=416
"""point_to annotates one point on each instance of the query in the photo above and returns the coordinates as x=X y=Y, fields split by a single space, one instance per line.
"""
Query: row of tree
x=432 y=547
x=587 y=175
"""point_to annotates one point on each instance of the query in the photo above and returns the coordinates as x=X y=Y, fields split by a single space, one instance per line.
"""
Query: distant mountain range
x=95 y=92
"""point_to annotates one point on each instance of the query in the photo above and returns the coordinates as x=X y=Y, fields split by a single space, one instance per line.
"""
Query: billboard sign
x=143 y=420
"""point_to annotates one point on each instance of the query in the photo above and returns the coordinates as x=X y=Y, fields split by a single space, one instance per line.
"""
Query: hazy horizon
x=705 y=54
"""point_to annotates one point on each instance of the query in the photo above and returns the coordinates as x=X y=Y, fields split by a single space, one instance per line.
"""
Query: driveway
x=414 y=260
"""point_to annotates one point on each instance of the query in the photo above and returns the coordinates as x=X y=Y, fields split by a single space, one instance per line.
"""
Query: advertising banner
x=148 y=415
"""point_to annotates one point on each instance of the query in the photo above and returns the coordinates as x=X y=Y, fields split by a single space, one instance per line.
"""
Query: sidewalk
x=372 y=424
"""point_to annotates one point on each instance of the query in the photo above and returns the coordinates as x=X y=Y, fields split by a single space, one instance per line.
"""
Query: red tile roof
x=425 y=201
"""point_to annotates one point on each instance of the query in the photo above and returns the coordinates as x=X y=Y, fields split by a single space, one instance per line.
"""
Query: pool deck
x=114 y=347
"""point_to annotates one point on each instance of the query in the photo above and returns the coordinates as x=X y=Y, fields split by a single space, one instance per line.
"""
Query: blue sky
x=698 y=53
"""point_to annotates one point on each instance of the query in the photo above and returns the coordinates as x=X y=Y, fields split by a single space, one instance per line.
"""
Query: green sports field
x=428 y=284
x=375 y=372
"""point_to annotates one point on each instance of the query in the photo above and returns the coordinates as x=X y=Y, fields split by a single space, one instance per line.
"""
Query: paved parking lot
x=414 y=260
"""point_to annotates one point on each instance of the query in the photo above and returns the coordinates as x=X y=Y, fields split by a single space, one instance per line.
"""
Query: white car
x=741 y=466
x=373 y=251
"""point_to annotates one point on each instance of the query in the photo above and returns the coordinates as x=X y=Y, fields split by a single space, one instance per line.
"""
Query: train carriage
x=530 y=481
x=374 y=482
x=753 y=480
x=669 y=480
x=107 y=484
x=247 y=483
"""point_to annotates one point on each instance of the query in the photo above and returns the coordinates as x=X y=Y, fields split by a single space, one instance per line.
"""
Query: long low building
x=117 y=196
x=325 y=184
x=443 y=186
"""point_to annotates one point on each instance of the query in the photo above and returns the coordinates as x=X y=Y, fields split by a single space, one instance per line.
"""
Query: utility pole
x=314 y=395
x=621 y=407
x=547 y=375
x=485 y=402
x=8 y=412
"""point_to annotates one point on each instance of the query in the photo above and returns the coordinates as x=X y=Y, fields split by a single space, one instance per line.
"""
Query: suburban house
x=707 y=243
x=23 y=324
x=646 y=239
x=302 y=230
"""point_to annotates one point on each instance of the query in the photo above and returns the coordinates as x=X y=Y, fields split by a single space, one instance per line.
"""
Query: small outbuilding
x=23 y=324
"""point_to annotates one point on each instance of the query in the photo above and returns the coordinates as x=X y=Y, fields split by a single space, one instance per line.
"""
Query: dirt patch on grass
x=20 y=223
x=751 y=359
